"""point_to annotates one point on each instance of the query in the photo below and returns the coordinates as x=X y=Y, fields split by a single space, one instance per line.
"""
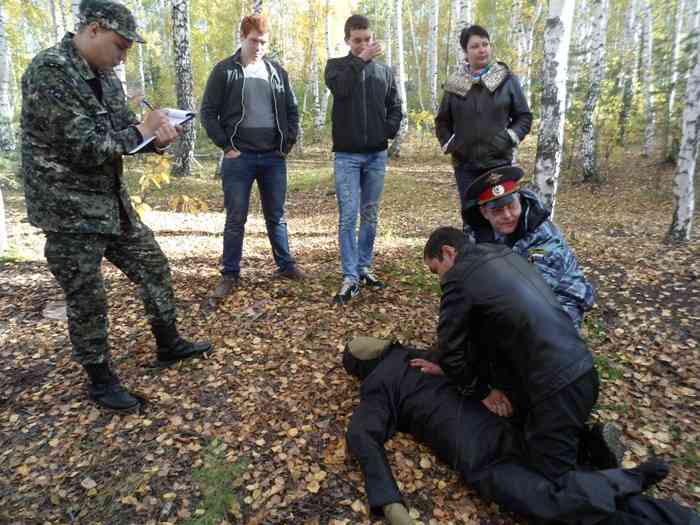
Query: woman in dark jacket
x=483 y=114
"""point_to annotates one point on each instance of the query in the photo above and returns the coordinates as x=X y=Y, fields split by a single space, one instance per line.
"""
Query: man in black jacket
x=366 y=113
x=498 y=314
x=485 y=449
x=250 y=112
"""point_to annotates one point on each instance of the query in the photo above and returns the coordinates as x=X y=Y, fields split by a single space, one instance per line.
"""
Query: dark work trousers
x=553 y=427
x=464 y=177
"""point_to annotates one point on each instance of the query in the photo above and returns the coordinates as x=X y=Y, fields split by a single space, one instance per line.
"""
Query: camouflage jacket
x=72 y=144
x=540 y=241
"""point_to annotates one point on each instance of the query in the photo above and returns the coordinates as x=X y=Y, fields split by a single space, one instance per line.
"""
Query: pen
x=147 y=104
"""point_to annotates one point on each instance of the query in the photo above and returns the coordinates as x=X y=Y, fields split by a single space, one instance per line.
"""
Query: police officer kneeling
x=75 y=128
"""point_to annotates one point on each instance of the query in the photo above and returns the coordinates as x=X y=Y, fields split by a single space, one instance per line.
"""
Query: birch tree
x=7 y=137
x=184 y=147
x=327 y=38
x=4 y=240
x=433 y=55
x=557 y=36
x=527 y=79
x=599 y=27
x=683 y=179
x=647 y=35
x=75 y=11
x=418 y=76
x=54 y=20
x=395 y=149
x=675 y=67
x=630 y=48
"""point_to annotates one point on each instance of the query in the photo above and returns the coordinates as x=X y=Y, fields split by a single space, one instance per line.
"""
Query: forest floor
x=255 y=433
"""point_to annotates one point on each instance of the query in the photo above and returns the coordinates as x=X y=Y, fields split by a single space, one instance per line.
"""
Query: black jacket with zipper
x=223 y=107
x=479 y=114
x=496 y=306
x=366 y=104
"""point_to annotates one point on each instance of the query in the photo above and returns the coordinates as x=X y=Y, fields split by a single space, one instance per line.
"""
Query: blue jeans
x=238 y=175
x=359 y=183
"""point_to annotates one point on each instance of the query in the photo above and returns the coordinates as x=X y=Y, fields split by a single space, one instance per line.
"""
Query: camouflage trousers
x=75 y=261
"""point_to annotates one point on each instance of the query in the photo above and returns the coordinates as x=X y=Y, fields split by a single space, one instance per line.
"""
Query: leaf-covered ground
x=254 y=434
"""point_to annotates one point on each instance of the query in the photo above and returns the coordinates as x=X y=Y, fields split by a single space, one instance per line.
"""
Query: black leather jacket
x=479 y=114
x=223 y=107
x=497 y=307
x=366 y=104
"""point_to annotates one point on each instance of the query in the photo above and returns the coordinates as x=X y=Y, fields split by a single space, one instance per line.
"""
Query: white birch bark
x=557 y=36
x=418 y=70
x=527 y=80
x=54 y=20
x=650 y=124
x=580 y=47
x=315 y=88
x=599 y=28
x=75 y=11
x=184 y=86
x=517 y=22
x=7 y=136
x=327 y=37
x=432 y=61
x=64 y=22
x=395 y=149
x=140 y=16
x=683 y=179
x=680 y=11
x=630 y=49
x=389 y=35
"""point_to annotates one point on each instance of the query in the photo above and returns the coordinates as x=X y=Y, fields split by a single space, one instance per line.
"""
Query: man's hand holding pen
x=157 y=124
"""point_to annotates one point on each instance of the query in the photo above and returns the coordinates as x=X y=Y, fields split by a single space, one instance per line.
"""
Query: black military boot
x=106 y=390
x=173 y=348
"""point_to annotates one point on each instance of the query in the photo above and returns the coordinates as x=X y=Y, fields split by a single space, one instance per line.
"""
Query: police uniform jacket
x=479 y=115
x=223 y=107
x=496 y=306
x=72 y=144
x=539 y=240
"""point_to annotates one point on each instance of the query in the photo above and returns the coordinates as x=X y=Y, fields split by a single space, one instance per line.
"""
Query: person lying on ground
x=487 y=450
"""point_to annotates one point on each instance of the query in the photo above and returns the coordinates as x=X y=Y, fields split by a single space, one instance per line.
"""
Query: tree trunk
x=7 y=136
x=395 y=149
x=649 y=125
x=327 y=36
x=432 y=61
x=389 y=35
x=4 y=240
x=683 y=179
x=580 y=48
x=630 y=48
x=64 y=22
x=557 y=36
x=464 y=20
x=184 y=147
x=599 y=28
x=527 y=81
x=680 y=15
x=75 y=11
x=141 y=23
x=419 y=77
x=54 y=20
x=315 y=87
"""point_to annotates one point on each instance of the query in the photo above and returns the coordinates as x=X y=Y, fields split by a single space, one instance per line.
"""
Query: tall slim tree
x=557 y=36
x=75 y=11
x=675 y=72
x=648 y=39
x=683 y=179
x=7 y=136
x=184 y=85
x=418 y=69
x=432 y=61
x=140 y=16
x=630 y=50
x=395 y=149
x=527 y=79
x=599 y=27
x=54 y=20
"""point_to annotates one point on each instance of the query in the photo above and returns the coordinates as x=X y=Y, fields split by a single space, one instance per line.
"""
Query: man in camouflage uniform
x=75 y=128
x=499 y=211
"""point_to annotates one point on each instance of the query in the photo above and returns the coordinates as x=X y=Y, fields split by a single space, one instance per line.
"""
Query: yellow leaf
x=23 y=470
x=169 y=496
x=358 y=506
x=313 y=487
x=293 y=432
x=425 y=462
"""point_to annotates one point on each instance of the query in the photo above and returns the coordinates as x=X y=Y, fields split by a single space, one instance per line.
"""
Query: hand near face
x=372 y=50
x=427 y=367
x=498 y=403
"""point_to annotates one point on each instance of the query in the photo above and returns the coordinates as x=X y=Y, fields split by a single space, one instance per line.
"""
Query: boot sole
x=167 y=363
x=135 y=409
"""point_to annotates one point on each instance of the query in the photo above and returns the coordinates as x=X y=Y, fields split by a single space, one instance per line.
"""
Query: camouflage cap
x=112 y=16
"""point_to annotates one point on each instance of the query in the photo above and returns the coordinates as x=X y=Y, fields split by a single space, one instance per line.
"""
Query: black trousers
x=553 y=427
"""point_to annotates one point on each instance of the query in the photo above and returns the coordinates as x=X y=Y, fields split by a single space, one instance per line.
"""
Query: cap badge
x=498 y=190
x=494 y=178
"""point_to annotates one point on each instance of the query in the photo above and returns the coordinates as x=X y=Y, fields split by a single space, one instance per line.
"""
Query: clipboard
x=177 y=117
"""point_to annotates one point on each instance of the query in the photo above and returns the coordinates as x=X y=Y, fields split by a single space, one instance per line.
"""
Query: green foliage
x=217 y=480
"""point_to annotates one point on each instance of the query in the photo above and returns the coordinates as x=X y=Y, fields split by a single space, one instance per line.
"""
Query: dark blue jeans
x=270 y=172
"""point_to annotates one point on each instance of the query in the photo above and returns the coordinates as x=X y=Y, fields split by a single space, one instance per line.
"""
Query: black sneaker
x=369 y=279
x=348 y=290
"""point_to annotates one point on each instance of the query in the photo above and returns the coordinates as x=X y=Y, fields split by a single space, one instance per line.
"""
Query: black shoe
x=106 y=390
x=602 y=446
x=369 y=279
x=348 y=290
x=226 y=285
x=173 y=348
x=651 y=472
